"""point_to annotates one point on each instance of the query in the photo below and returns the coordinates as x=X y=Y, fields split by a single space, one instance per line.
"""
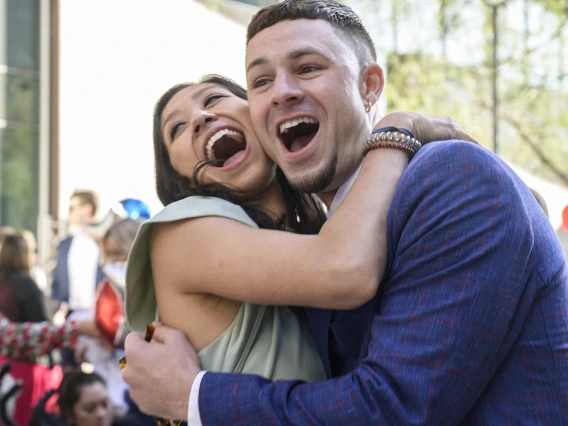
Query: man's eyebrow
x=294 y=55
x=306 y=51
x=255 y=63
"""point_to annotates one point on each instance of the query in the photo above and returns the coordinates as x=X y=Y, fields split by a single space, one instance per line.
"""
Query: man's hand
x=60 y=315
x=160 y=373
x=425 y=128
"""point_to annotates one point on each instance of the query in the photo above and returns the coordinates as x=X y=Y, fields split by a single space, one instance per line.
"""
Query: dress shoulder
x=197 y=206
x=140 y=298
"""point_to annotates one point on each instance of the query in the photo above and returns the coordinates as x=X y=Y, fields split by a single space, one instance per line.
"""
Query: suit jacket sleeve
x=459 y=242
x=60 y=278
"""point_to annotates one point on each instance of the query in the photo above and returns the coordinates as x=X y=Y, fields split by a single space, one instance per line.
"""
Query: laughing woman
x=204 y=266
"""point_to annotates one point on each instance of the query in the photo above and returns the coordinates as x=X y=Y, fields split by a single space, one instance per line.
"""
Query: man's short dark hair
x=340 y=16
x=87 y=197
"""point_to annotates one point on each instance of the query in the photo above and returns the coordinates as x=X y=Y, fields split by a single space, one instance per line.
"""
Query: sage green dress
x=269 y=341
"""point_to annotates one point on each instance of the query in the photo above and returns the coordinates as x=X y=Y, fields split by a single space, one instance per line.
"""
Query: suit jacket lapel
x=318 y=323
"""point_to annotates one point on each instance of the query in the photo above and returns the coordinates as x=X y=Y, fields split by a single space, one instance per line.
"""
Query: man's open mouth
x=296 y=134
x=224 y=147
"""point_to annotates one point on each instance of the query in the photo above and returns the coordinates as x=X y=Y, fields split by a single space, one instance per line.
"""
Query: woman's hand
x=425 y=128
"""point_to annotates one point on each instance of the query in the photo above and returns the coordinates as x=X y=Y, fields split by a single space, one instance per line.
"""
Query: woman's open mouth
x=225 y=147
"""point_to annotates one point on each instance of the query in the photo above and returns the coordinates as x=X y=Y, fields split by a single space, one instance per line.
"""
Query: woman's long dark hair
x=70 y=390
x=14 y=256
x=304 y=213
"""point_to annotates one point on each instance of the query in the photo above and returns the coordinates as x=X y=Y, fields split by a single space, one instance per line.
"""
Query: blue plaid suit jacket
x=470 y=326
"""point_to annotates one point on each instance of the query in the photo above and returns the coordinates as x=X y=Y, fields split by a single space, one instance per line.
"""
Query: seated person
x=83 y=400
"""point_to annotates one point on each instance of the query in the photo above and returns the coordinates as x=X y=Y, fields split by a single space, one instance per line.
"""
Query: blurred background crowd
x=64 y=328
x=78 y=83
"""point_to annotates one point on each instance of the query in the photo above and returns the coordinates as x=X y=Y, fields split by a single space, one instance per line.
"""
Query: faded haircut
x=340 y=16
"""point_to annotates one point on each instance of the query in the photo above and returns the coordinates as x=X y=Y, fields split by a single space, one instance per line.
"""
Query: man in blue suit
x=77 y=271
x=470 y=325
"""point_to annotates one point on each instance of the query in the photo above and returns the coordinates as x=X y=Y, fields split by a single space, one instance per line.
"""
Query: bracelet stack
x=394 y=139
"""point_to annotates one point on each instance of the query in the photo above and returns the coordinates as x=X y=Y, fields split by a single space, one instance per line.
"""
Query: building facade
x=20 y=77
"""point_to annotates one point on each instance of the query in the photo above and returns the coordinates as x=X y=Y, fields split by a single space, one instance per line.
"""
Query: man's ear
x=372 y=83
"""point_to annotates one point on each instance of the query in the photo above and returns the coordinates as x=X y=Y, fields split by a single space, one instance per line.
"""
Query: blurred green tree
x=515 y=95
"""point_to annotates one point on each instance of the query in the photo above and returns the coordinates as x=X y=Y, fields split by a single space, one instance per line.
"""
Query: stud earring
x=367 y=107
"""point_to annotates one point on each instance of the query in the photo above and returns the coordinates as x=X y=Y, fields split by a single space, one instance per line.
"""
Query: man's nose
x=286 y=90
x=201 y=120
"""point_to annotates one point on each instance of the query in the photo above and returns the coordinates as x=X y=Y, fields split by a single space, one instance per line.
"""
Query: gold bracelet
x=396 y=140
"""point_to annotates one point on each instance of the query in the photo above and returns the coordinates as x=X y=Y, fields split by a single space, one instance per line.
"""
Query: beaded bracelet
x=393 y=129
x=396 y=140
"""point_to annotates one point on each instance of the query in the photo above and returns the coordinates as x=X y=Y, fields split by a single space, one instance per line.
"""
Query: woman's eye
x=211 y=99
x=175 y=129
x=90 y=408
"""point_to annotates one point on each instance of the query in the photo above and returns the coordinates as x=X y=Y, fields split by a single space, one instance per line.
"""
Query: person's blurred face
x=79 y=213
x=305 y=87
x=93 y=407
x=113 y=251
x=207 y=123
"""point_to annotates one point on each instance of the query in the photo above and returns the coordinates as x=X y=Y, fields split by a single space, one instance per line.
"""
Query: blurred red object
x=109 y=314
x=565 y=218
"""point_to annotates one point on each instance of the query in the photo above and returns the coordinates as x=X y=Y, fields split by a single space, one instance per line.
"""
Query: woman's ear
x=372 y=83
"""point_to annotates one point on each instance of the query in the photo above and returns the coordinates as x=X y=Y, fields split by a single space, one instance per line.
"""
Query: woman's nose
x=202 y=119
x=102 y=413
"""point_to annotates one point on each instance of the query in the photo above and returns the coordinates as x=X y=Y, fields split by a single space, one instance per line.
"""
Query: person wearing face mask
x=87 y=399
x=105 y=353
x=116 y=233
x=109 y=313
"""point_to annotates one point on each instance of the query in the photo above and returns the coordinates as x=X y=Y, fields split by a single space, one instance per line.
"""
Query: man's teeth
x=292 y=123
x=228 y=132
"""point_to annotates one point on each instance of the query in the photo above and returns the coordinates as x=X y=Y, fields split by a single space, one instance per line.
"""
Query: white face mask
x=116 y=271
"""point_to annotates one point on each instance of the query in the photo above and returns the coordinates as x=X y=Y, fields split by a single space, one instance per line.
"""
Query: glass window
x=22 y=34
x=19 y=111
x=19 y=95
x=19 y=177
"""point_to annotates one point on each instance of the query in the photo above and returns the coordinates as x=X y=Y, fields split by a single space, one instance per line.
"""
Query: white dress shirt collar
x=344 y=189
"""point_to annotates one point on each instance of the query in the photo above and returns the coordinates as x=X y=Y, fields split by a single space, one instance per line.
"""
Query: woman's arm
x=340 y=268
x=31 y=339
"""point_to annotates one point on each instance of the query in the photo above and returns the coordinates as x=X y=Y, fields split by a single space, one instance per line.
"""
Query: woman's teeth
x=225 y=132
